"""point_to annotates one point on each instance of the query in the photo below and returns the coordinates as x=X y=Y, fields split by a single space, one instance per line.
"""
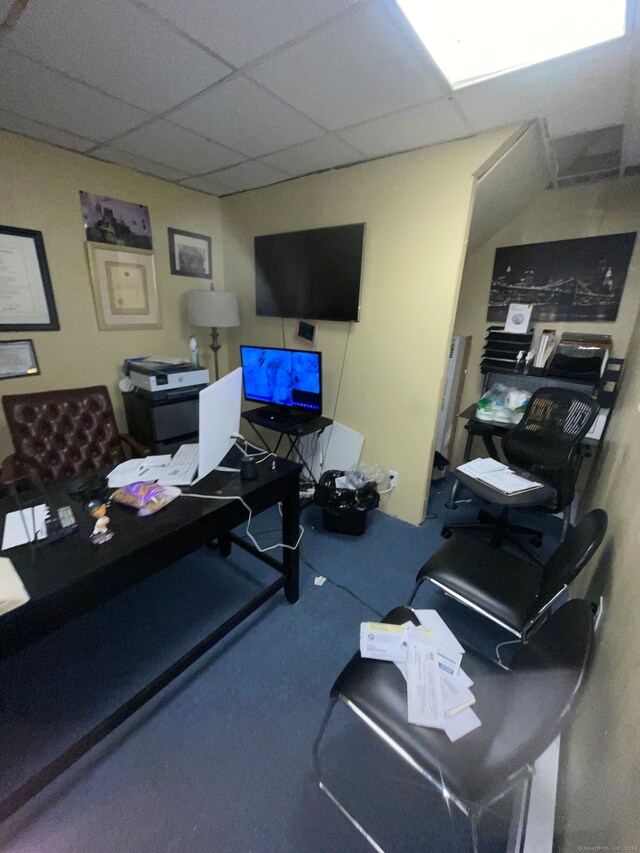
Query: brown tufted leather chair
x=63 y=434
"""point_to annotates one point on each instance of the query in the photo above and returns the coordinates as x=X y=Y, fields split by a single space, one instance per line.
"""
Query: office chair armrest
x=137 y=449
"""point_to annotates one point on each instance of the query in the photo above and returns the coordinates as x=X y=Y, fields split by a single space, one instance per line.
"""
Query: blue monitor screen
x=282 y=377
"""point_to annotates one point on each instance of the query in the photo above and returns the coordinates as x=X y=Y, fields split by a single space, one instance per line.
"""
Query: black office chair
x=514 y=593
x=522 y=710
x=545 y=445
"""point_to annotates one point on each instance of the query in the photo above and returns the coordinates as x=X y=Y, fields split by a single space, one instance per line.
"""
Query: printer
x=164 y=377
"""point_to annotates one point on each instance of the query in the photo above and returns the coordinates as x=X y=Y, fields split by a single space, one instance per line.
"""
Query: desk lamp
x=215 y=309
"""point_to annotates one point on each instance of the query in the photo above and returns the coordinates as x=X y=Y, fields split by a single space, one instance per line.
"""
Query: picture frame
x=115 y=222
x=18 y=358
x=307 y=332
x=189 y=254
x=26 y=298
x=518 y=318
x=125 y=293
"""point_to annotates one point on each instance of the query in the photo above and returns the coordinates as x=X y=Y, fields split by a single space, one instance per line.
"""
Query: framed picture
x=307 y=332
x=26 y=296
x=18 y=358
x=117 y=222
x=189 y=254
x=124 y=287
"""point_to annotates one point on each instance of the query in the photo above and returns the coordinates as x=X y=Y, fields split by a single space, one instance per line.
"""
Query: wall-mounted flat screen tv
x=313 y=274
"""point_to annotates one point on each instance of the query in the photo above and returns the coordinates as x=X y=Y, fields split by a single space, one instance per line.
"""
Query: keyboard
x=183 y=467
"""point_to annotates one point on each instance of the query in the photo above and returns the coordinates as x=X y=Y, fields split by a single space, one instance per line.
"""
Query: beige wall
x=416 y=207
x=603 y=775
x=607 y=207
x=39 y=187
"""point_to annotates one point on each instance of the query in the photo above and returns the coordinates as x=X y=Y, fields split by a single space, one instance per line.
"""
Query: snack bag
x=147 y=498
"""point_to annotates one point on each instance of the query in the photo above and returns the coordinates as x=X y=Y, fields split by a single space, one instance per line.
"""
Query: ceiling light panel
x=471 y=40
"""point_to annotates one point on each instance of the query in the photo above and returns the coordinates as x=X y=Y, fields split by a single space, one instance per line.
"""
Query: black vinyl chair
x=522 y=710
x=544 y=446
x=514 y=593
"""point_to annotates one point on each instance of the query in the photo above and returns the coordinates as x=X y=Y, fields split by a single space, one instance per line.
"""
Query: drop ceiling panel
x=131 y=161
x=427 y=124
x=117 y=47
x=10 y=121
x=242 y=30
x=359 y=67
x=172 y=146
x=35 y=92
x=207 y=184
x=248 y=175
x=583 y=91
x=242 y=116
x=325 y=153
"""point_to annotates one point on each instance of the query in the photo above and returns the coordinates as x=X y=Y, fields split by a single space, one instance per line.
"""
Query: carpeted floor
x=221 y=761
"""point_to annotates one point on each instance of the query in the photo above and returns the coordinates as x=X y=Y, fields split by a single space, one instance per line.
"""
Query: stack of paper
x=498 y=476
x=429 y=656
x=12 y=591
x=145 y=470
x=24 y=525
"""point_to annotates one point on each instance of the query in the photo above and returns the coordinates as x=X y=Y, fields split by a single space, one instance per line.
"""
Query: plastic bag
x=359 y=475
x=502 y=403
x=147 y=498
x=330 y=496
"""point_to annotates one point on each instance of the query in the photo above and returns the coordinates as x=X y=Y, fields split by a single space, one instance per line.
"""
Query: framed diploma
x=124 y=287
x=18 y=358
x=26 y=296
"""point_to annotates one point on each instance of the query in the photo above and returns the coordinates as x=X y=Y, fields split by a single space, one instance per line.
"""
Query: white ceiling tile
x=131 y=161
x=358 y=68
x=35 y=92
x=249 y=175
x=121 y=49
x=242 y=30
x=117 y=47
x=180 y=149
x=582 y=91
x=207 y=184
x=325 y=153
x=18 y=124
x=428 y=124
x=242 y=116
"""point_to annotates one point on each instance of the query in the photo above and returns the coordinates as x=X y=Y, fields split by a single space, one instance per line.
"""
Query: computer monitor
x=219 y=420
x=288 y=379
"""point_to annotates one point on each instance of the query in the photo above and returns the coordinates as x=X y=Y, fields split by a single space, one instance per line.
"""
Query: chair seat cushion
x=546 y=496
x=521 y=710
x=493 y=580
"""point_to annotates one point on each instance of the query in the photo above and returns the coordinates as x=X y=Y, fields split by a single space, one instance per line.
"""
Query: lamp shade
x=213 y=308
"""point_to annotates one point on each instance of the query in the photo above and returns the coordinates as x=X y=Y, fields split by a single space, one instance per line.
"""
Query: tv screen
x=283 y=377
x=310 y=274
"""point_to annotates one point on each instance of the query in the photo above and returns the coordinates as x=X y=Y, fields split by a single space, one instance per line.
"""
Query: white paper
x=145 y=470
x=436 y=632
x=481 y=466
x=463 y=723
x=455 y=697
x=382 y=641
x=508 y=483
x=424 y=691
x=19 y=526
x=12 y=591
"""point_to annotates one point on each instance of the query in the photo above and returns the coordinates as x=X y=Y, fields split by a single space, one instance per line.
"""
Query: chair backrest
x=61 y=434
x=549 y=673
x=547 y=438
x=570 y=558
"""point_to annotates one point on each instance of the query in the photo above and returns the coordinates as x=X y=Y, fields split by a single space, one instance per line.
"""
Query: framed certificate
x=124 y=287
x=26 y=296
x=18 y=358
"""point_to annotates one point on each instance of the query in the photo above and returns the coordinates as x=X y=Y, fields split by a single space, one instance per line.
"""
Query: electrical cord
x=346 y=589
x=248 y=508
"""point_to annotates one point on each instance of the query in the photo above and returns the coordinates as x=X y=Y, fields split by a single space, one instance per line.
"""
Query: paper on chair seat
x=12 y=591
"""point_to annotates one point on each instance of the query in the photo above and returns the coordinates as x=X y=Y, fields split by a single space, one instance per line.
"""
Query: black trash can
x=345 y=510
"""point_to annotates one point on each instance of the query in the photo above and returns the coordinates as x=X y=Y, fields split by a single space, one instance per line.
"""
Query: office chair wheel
x=446 y=532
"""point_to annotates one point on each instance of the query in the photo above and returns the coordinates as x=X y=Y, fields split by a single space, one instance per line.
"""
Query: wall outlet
x=393 y=479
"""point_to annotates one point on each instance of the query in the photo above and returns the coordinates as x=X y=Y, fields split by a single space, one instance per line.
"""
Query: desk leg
x=290 y=533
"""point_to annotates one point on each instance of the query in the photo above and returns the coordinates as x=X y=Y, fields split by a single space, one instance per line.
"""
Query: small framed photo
x=307 y=332
x=124 y=287
x=18 y=358
x=189 y=254
x=26 y=295
x=518 y=317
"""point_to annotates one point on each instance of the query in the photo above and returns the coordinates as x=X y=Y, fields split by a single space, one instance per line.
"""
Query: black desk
x=293 y=431
x=67 y=578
